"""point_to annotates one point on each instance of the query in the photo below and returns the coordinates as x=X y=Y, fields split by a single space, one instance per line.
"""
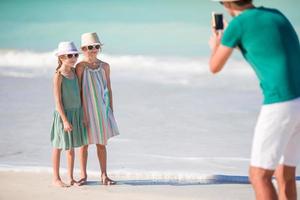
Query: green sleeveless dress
x=72 y=106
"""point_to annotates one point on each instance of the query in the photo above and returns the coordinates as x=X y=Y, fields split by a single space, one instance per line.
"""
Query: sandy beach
x=29 y=185
x=16 y=185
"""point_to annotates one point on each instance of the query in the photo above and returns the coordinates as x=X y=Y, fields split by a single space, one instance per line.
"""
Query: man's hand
x=219 y=52
x=215 y=40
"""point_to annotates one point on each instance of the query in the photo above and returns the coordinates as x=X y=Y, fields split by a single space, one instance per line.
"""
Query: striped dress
x=96 y=104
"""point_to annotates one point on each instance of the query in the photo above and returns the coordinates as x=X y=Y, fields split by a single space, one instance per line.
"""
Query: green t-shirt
x=270 y=44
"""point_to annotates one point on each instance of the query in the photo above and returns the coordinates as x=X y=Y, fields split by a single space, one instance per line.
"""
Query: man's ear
x=227 y=5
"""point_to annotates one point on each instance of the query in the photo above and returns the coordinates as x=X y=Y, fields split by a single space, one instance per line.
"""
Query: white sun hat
x=66 y=47
x=90 y=39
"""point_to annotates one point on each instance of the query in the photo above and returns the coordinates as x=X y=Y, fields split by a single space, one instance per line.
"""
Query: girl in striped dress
x=94 y=78
x=68 y=130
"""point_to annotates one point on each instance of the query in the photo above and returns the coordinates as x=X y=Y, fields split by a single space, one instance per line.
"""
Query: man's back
x=270 y=44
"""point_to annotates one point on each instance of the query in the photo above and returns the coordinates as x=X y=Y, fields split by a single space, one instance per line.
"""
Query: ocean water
x=177 y=121
x=167 y=27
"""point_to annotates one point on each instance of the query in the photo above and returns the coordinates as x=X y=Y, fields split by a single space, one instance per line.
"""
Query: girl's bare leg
x=102 y=157
x=70 y=159
x=83 y=152
x=56 y=163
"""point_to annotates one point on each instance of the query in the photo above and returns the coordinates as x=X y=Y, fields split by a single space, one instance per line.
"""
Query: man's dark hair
x=242 y=2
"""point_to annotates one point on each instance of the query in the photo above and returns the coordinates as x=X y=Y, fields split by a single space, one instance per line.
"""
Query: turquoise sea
x=139 y=27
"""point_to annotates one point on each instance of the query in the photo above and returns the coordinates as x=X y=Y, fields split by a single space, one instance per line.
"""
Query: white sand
x=25 y=185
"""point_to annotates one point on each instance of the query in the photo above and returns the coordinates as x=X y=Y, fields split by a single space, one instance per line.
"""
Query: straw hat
x=90 y=39
x=66 y=48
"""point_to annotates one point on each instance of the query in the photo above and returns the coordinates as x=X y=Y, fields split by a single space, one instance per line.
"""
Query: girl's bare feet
x=82 y=181
x=59 y=183
x=107 y=181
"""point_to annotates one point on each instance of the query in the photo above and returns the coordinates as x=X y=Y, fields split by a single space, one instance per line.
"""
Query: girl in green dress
x=67 y=131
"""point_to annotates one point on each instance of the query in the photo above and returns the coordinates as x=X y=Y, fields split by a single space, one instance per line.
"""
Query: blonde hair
x=59 y=64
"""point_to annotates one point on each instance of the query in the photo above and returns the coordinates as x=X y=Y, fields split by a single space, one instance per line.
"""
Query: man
x=270 y=44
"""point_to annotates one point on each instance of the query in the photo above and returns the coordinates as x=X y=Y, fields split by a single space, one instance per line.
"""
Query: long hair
x=59 y=64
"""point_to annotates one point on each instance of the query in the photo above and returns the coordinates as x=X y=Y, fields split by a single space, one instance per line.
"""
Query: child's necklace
x=94 y=64
x=68 y=74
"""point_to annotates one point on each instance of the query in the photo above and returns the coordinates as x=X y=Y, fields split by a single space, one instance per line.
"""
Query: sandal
x=82 y=181
x=73 y=182
x=107 y=181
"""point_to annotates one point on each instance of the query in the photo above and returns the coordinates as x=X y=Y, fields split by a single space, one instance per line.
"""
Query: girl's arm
x=79 y=72
x=58 y=102
x=107 y=74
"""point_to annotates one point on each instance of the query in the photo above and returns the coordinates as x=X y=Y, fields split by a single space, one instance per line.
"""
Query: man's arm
x=219 y=53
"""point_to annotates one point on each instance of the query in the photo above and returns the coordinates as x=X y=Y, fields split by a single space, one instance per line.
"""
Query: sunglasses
x=221 y=2
x=91 y=47
x=72 y=55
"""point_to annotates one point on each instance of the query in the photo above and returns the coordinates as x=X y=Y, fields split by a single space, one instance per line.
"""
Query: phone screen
x=218 y=21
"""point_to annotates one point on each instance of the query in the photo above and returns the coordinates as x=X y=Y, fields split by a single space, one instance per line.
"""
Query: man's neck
x=239 y=10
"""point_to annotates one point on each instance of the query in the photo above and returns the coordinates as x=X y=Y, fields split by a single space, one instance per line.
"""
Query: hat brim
x=66 y=53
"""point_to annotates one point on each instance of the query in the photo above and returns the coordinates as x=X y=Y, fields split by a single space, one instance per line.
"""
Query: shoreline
x=137 y=177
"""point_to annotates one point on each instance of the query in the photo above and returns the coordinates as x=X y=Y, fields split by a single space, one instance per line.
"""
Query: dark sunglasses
x=90 y=47
x=72 y=55
x=221 y=2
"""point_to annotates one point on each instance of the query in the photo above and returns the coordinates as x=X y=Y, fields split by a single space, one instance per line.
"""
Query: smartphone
x=217 y=19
